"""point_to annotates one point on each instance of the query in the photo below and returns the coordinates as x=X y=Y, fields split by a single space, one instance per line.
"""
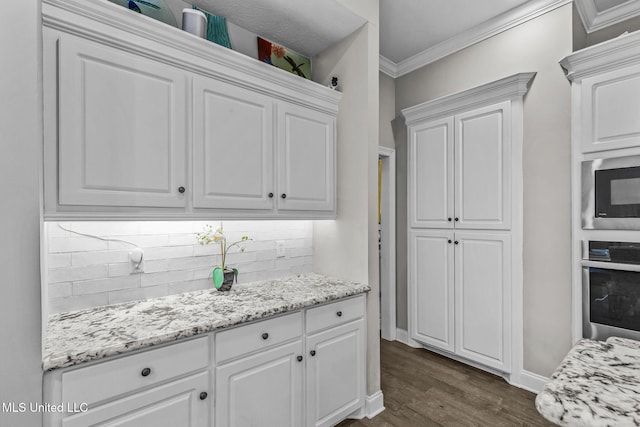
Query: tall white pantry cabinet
x=465 y=222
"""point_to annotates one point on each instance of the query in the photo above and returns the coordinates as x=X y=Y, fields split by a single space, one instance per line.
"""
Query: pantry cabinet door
x=232 y=147
x=122 y=133
x=483 y=298
x=431 y=288
x=430 y=167
x=483 y=168
x=306 y=159
x=261 y=390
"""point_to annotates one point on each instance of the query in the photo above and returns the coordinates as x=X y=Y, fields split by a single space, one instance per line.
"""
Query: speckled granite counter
x=85 y=335
x=597 y=384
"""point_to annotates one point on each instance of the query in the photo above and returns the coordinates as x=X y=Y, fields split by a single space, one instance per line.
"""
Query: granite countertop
x=95 y=333
x=597 y=384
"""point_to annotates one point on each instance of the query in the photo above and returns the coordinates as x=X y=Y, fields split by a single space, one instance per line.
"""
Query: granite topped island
x=597 y=384
x=96 y=333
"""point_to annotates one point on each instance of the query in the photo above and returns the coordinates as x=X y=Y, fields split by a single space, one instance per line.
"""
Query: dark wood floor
x=422 y=388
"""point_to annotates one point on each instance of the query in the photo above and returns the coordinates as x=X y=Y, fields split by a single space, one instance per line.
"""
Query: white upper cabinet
x=460 y=157
x=605 y=94
x=144 y=121
x=483 y=168
x=232 y=147
x=306 y=159
x=122 y=133
x=431 y=174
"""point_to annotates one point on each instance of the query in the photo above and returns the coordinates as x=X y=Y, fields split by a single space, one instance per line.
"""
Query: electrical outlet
x=280 y=253
x=136 y=261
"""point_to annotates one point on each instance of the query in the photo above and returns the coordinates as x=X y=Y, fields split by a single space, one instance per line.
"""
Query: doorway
x=387 y=241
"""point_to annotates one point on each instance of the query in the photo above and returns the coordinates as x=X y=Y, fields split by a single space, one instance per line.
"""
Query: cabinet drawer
x=336 y=313
x=256 y=336
x=126 y=374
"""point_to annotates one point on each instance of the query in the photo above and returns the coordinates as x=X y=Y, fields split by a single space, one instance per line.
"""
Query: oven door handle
x=611 y=265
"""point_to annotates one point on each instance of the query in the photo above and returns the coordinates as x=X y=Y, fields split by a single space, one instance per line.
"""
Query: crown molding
x=512 y=87
x=592 y=20
x=388 y=67
x=115 y=26
x=512 y=18
x=607 y=56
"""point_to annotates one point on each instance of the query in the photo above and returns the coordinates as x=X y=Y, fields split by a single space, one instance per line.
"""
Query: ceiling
x=408 y=27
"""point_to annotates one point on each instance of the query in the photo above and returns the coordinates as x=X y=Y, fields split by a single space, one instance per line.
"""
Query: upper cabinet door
x=483 y=168
x=306 y=159
x=431 y=174
x=610 y=110
x=232 y=147
x=122 y=134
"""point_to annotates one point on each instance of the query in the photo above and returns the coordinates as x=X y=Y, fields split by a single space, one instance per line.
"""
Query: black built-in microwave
x=611 y=193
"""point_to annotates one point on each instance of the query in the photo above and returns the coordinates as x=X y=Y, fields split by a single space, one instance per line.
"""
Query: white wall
x=536 y=45
x=89 y=272
x=387 y=110
x=347 y=247
x=21 y=141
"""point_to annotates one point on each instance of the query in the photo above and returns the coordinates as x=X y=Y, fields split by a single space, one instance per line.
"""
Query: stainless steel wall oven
x=611 y=290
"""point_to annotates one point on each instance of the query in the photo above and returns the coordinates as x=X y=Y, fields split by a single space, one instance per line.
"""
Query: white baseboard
x=403 y=337
x=531 y=382
x=374 y=404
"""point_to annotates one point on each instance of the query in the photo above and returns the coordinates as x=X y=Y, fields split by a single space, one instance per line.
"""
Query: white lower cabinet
x=178 y=403
x=460 y=294
x=305 y=368
x=263 y=390
x=335 y=374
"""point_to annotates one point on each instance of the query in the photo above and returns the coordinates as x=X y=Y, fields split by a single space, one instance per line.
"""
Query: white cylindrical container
x=194 y=22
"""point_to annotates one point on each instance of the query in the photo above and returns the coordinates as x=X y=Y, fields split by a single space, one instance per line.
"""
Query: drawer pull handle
x=181 y=190
x=339 y=314
x=145 y=372
x=456 y=242
x=299 y=358
x=457 y=219
x=203 y=395
x=312 y=352
x=270 y=195
x=284 y=196
x=265 y=336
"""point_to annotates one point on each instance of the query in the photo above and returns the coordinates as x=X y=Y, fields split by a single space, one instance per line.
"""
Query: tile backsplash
x=88 y=272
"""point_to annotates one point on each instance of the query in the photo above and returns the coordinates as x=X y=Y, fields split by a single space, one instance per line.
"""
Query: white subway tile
x=106 y=228
x=59 y=290
x=153 y=279
x=59 y=260
x=73 y=303
x=156 y=266
x=203 y=273
x=240 y=257
x=81 y=259
x=138 y=294
x=256 y=266
x=120 y=269
x=264 y=255
x=53 y=229
x=287 y=263
x=168 y=252
x=73 y=274
x=298 y=252
x=190 y=286
x=81 y=243
x=193 y=262
x=182 y=239
x=152 y=241
x=213 y=249
x=106 y=285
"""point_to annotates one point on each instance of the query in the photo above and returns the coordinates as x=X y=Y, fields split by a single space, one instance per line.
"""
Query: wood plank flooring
x=422 y=388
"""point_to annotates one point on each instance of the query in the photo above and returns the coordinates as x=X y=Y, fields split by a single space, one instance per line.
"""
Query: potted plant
x=223 y=277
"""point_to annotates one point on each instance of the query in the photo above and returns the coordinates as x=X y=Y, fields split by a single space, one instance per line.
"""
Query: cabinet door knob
x=456 y=242
x=284 y=196
x=145 y=372
x=181 y=190
x=265 y=336
x=339 y=314
x=449 y=240
x=449 y=219
x=312 y=352
x=271 y=195
x=203 y=395
x=456 y=218
x=299 y=358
